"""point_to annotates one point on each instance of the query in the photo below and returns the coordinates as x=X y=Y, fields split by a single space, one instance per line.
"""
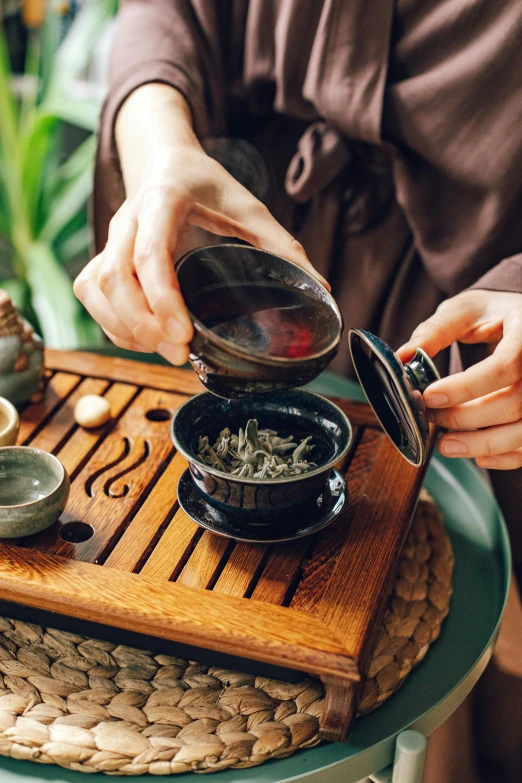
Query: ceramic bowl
x=293 y=412
x=9 y=423
x=288 y=327
x=34 y=487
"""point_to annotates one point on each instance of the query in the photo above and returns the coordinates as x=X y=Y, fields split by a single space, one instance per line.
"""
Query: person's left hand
x=482 y=405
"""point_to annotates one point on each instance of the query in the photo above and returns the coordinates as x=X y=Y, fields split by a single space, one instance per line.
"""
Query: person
x=392 y=130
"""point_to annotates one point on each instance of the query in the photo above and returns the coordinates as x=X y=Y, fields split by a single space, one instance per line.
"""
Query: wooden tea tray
x=150 y=577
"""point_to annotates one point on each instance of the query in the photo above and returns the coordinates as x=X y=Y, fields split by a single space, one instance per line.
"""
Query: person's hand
x=482 y=406
x=131 y=287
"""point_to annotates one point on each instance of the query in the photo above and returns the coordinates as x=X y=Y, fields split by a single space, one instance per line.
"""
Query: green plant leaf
x=81 y=159
x=88 y=333
x=77 y=244
x=83 y=112
x=31 y=86
x=9 y=145
x=71 y=198
x=51 y=35
x=75 y=51
x=52 y=297
x=17 y=291
x=60 y=176
x=36 y=148
x=8 y=131
x=5 y=228
x=40 y=198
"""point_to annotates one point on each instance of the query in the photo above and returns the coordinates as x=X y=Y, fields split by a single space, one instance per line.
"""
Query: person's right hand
x=131 y=287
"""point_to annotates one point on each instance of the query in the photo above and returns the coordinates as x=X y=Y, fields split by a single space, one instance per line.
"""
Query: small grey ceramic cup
x=34 y=488
x=9 y=423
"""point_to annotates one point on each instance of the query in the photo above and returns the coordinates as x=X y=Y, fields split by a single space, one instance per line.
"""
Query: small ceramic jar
x=21 y=355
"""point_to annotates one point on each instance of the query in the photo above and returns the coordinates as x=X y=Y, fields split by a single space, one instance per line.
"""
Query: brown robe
x=393 y=129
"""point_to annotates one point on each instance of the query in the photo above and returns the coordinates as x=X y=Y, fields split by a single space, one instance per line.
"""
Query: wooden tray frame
x=328 y=632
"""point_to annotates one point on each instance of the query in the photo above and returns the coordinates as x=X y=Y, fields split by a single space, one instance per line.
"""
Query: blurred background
x=53 y=65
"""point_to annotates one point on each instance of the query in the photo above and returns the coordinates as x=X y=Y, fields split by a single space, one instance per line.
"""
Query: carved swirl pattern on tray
x=111 y=488
x=124 y=453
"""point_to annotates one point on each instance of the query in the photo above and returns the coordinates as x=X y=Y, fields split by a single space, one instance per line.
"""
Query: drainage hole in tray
x=158 y=414
x=76 y=532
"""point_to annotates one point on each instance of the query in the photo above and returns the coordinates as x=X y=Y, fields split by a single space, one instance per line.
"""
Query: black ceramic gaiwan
x=261 y=323
x=295 y=412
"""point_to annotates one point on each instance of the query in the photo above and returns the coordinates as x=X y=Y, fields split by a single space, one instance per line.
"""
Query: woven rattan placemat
x=92 y=706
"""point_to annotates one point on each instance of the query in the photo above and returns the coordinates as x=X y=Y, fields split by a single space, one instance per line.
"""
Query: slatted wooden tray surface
x=310 y=605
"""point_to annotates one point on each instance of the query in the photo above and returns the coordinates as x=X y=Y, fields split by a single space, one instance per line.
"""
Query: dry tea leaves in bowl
x=257 y=454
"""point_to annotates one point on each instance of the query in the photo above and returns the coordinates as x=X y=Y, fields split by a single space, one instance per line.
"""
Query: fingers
x=492 y=441
x=453 y=319
x=510 y=461
x=119 y=284
x=502 y=407
x=483 y=404
x=406 y=352
x=503 y=368
x=131 y=289
x=252 y=222
x=88 y=292
x=156 y=241
x=266 y=233
x=128 y=345
x=111 y=293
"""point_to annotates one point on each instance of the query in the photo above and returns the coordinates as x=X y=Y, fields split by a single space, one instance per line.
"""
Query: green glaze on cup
x=34 y=487
x=9 y=423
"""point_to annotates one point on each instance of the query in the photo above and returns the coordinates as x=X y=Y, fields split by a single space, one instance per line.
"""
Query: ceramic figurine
x=21 y=356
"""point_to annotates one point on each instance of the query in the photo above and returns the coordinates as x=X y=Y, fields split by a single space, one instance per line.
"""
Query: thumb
x=452 y=320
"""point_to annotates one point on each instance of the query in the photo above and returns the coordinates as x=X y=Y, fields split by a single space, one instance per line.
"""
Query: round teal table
x=440 y=683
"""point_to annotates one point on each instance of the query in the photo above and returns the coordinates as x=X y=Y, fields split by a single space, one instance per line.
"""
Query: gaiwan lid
x=394 y=390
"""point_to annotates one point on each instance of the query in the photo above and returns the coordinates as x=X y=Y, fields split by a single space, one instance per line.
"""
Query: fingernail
x=453 y=448
x=406 y=351
x=435 y=400
x=171 y=353
x=176 y=330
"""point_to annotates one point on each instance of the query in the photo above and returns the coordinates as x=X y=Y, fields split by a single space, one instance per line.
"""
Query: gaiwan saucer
x=242 y=525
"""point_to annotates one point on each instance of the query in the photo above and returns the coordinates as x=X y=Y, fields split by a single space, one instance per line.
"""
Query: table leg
x=339 y=712
x=410 y=757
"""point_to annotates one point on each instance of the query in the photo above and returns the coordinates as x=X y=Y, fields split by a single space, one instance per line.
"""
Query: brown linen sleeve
x=506 y=276
x=174 y=42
